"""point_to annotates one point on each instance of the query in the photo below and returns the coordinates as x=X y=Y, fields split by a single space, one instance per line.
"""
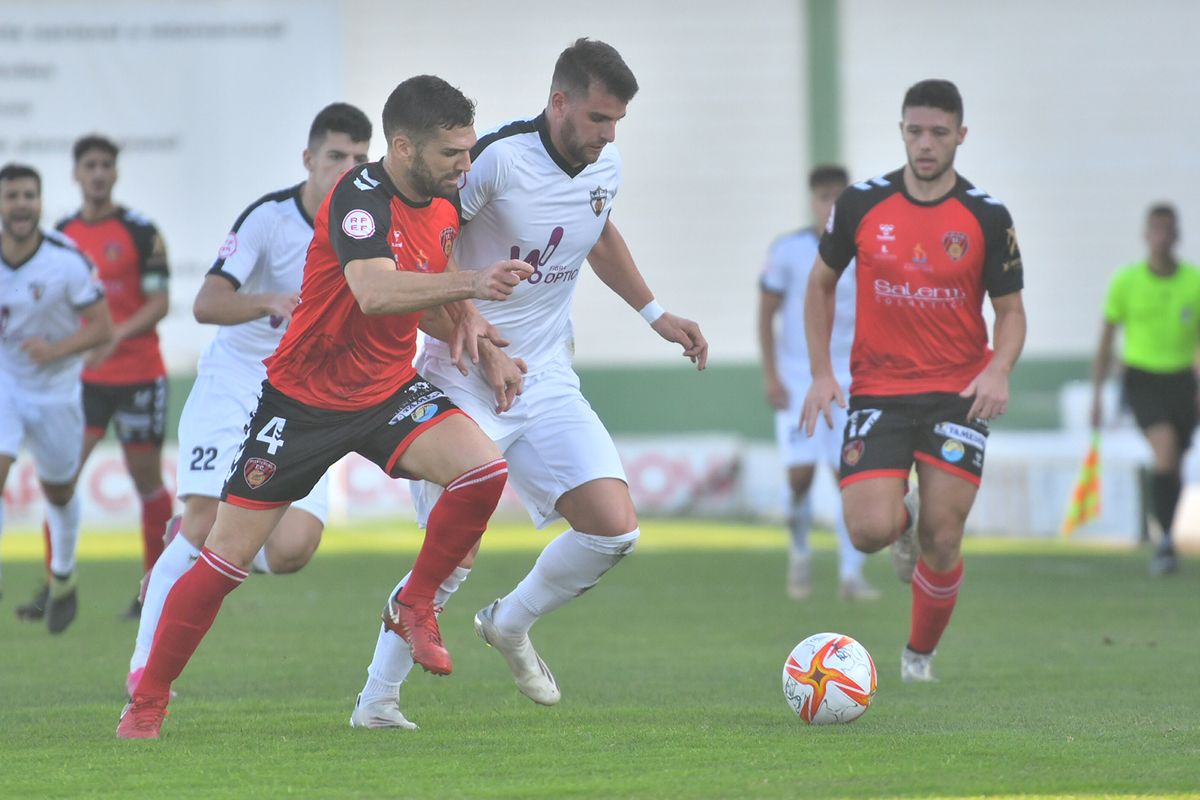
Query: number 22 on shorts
x=272 y=434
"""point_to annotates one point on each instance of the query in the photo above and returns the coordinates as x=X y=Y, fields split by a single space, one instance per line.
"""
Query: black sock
x=1166 y=488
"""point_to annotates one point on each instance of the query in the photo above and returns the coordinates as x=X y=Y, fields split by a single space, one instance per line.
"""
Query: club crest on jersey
x=955 y=244
x=112 y=252
x=257 y=472
x=447 y=236
x=358 y=224
x=37 y=289
x=852 y=453
x=599 y=200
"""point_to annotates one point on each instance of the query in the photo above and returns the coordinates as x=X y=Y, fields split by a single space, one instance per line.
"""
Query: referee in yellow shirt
x=1157 y=302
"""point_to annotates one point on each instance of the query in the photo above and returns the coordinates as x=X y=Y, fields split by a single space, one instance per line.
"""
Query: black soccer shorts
x=1156 y=397
x=137 y=411
x=884 y=435
x=289 y=445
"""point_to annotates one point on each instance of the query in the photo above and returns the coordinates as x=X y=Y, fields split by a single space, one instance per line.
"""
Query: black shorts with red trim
x=289 y=445
x=137 y=411
x=884 y=435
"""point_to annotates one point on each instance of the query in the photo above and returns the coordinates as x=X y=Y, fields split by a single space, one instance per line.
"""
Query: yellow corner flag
x=1085 y=498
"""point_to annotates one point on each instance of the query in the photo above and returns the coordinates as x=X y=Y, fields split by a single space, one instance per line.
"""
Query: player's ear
x=559 y=100
x=307 y=158
x=962 y=133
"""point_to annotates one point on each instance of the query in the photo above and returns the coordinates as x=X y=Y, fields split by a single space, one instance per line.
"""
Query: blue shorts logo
x=424 y=413
x=952 y=451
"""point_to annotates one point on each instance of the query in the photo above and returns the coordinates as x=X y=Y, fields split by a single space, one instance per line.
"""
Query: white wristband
x=652 y=311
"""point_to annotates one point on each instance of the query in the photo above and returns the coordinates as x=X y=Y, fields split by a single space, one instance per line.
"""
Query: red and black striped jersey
x=922 y=271
x=333 y=355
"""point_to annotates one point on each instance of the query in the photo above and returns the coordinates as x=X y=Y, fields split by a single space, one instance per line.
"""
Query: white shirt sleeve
x=83 y=285
x=775 y=276
x=482 y=183
x=242 y=251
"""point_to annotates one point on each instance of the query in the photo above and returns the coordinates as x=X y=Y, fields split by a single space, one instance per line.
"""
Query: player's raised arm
x=819 y=302
x=613 y=263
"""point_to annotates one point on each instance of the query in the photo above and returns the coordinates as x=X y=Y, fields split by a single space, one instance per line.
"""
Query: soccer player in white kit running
x=541 y=190
x=250 y=292
x=786 y=376
x=47 y=287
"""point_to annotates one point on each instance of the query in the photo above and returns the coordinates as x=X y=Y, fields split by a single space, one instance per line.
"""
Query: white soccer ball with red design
x=829 y=678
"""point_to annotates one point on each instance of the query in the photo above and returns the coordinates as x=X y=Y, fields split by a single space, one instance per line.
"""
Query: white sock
x=393 y=657
x=850 y=558
x=800 y=522
x=175 y=560
x=260 y=563
x=568 y=567
x=64 y=534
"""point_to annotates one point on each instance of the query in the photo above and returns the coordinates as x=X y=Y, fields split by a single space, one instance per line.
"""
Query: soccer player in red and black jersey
x=924 y=382
x=124 y=381
x=342 y=380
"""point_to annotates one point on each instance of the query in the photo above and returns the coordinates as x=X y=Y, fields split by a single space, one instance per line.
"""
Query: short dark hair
x=827 y=174
x=588 y=60
x=1162 y=210
x=12 y=172
x=422 y=103
x=339 y=118
x=94 y=141
x=934 y=93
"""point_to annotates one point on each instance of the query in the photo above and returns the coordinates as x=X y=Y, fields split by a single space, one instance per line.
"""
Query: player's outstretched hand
x=468 y=332
x=990 y=390
x=38 y=349
x=280 y=306
x=506 y=376
x=498 y=281
x=684 y=332
x=823 y=392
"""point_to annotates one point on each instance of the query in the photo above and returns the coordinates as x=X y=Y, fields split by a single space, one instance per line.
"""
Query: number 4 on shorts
x=272 y=434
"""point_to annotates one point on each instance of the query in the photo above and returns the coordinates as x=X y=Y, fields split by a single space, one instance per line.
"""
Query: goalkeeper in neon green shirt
x=1157 y=304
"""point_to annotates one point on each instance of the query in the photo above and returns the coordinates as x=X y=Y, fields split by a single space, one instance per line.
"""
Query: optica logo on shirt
x=358 y=224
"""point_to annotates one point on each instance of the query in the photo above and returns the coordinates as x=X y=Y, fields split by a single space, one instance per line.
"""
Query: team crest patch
x=424 y=413
x=358 y=224
x=112 y=252
x=599 y=200
x=257 y=472
x=229 y=247
x=852 y=453
x=38 y=289
x=955 y=244
x=447 y=240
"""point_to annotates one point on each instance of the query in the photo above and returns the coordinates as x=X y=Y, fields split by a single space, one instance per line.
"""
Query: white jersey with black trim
x=263 y=253
x=42 y=297
x=522 y=200
x=789 y=262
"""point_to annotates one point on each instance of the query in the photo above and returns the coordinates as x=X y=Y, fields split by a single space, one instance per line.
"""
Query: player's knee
x=58 y=494
x=941 y=542
x=869 y=530
x=800 y=482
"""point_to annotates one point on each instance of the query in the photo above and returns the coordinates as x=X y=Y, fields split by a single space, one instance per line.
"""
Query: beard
x=424 y=181
x=575 y=152
x=938 y=172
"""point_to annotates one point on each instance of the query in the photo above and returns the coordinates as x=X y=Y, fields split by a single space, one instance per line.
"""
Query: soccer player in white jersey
x=542 y=190
x=47 y=287
x=786 y=376
x=250 y=292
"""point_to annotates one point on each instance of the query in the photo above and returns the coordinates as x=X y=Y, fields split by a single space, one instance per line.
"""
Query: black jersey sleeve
x=838 y=247
x=360 y=216
x=1002 y=270
x=152 y=251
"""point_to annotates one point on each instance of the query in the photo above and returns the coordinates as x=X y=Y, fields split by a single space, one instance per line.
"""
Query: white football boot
x=533 y=677
x=380 y=714
x=906 y=550
x=916 y=667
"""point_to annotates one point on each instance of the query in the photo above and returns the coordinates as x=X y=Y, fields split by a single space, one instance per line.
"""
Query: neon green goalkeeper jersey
x=1160 y=315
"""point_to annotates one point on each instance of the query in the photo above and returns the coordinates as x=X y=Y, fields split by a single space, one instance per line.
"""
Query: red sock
x=933 y=595
x=49 y=551
x=455 y=524
x=188 y=613
x=156 y=512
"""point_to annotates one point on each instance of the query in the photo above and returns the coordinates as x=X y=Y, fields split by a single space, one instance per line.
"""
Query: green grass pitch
x=1066 y=671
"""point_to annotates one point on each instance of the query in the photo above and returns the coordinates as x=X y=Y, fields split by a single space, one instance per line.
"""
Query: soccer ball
x=829 y=678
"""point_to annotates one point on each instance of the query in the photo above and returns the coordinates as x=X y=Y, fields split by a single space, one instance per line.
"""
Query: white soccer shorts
x=211 y=430
x=551 y=437
x=796 y=447
x=51 y=428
